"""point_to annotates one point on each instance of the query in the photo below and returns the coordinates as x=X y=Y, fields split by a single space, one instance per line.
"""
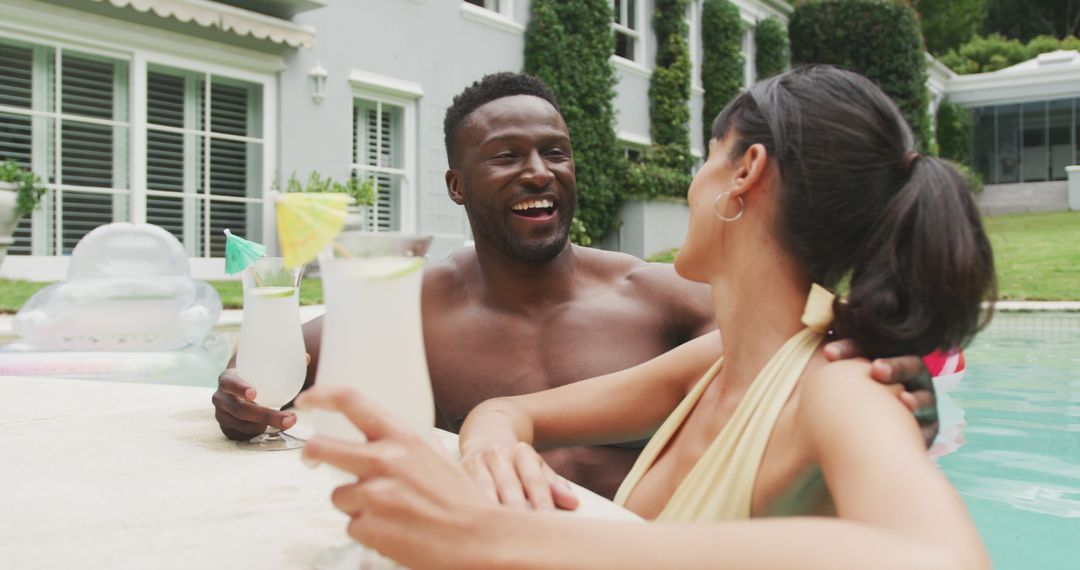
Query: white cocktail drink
x=271 y=353
x=271 y=356
x=372 y=338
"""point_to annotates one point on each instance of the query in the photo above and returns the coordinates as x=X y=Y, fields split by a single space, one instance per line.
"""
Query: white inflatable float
x=129 y=310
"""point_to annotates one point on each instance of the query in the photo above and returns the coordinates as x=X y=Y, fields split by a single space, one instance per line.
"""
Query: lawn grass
x=1037 y=255
x=14 y=293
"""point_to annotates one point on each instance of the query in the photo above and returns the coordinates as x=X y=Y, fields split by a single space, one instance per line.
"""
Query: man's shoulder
x=641 y=277
x=449 y=274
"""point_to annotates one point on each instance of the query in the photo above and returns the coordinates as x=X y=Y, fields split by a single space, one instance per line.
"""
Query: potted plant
x=20 y=193
x=362 y=193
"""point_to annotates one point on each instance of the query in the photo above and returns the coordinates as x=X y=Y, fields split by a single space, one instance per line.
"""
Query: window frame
x=620 y=25
x=405 y=96
x=501 y=16
x=65 y=35
x=47 y=150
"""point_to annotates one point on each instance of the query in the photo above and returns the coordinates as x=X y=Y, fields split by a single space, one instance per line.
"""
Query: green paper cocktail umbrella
x=240 y=253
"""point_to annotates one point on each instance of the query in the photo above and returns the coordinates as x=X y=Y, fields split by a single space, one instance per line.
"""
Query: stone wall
x=997 y=199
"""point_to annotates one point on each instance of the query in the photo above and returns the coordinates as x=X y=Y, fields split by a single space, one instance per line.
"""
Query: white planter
x=1074 y=187
x=356 y=218
x=8 y=219
x=649 y=227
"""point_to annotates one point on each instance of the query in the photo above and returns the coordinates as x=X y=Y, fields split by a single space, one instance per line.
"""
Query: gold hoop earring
x=720 y=213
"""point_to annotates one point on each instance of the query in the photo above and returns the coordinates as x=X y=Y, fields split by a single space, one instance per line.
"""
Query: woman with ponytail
x=812 y=178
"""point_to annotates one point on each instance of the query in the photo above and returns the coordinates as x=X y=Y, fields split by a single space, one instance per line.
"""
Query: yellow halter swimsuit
x=720 y=486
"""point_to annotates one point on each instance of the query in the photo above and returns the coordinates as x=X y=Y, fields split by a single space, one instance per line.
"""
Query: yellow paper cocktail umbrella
x=307 y=222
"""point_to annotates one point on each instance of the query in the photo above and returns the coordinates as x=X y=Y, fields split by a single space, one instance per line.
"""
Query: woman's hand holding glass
x=411 y=501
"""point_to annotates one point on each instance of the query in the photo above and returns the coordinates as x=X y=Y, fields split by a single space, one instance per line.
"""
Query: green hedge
x=877 y=38
x=669 y=89
x=772 y=51
x=955 y=128
x=654 y=177
x=722 y=59
x=569 y=45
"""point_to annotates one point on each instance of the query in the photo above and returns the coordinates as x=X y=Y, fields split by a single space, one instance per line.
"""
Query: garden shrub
x=722 y=59
x=772 y=52
x=877 y=38
x=955 y=128
x=669 y=89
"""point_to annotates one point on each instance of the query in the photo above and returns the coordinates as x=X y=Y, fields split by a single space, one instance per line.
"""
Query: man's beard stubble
x=487 y=225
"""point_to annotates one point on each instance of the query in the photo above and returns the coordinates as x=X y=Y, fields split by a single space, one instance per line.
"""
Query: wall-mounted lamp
x=318 y=76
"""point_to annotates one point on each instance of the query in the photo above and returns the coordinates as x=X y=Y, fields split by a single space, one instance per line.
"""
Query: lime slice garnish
x=274 y=292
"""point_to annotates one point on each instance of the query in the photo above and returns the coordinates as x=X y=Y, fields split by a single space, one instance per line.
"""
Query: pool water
x=1015 y=418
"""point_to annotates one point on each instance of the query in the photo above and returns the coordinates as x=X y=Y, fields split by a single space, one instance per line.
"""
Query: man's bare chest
x=480 y=355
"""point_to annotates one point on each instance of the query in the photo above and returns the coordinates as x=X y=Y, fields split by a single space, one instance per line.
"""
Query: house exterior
x=187 y=113
x=1027 y=131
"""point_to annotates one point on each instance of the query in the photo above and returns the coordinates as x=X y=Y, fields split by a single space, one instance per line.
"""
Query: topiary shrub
x=877 y=38
x=772 y=51
x=569 y=45
x=955 y=128
x=669 y=89
x=722 y=59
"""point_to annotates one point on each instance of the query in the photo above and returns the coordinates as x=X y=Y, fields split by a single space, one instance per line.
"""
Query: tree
x=994 y=52
x=948 y=23
x=569 y=45
x=879 y=39
x=1025 y=19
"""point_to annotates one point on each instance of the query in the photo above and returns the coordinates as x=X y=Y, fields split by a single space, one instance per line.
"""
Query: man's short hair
x=489 y=88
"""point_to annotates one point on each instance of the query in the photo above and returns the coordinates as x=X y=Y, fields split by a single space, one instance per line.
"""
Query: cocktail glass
x=372 y=338
x=271 y=355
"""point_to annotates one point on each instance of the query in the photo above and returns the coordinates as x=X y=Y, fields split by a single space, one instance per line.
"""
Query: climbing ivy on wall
x=722 y=59
x=569 y=45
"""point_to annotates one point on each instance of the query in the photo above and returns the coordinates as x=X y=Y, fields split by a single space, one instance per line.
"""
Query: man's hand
x=516 y=476
x=908 y=371
x=237 y=413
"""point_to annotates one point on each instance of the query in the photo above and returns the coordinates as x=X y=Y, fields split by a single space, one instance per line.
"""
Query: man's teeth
x=533 y=204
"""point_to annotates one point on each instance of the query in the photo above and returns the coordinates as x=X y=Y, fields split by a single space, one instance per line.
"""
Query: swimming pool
x=1018 y=462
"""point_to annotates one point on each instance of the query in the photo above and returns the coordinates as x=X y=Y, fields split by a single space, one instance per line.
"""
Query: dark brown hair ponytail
x=856 y=199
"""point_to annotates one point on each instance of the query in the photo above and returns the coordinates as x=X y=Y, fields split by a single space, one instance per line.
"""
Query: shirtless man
x=525 y=310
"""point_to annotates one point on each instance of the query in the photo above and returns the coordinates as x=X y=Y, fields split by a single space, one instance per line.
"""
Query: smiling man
x=526 y=310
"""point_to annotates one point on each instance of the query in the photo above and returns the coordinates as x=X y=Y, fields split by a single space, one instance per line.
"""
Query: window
x=1008 y=144
x=1029 y=142
x=203 y=157
x=64 y=115
x=634 y=154
x=1059 y=132
x=379 y=155
x=982 y=154
x=493 y=5
x=628 y=39
x=1034 y=159
x=748 y=52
